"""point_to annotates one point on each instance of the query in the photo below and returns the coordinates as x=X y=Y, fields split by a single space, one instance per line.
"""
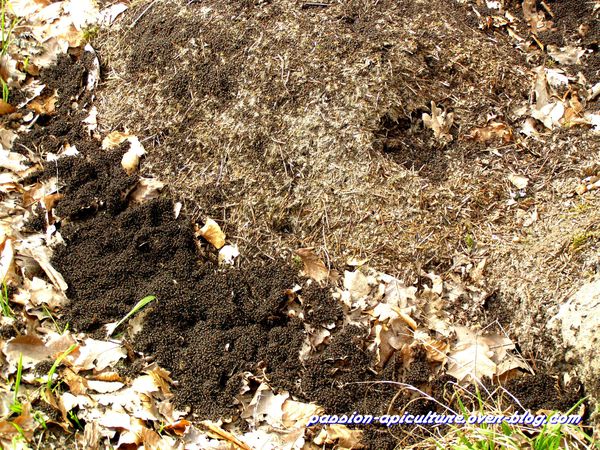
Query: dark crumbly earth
x=210 y=325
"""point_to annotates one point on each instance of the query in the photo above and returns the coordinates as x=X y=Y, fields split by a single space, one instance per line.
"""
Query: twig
x=314 y=5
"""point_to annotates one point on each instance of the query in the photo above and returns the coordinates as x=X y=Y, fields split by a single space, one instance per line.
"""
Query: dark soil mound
x=208 y=325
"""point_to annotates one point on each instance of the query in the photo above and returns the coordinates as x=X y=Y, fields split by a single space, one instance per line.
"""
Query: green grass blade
x=57 y=363
x=143 y=302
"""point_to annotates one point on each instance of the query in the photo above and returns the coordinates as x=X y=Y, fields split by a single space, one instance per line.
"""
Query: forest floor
x=366 y=207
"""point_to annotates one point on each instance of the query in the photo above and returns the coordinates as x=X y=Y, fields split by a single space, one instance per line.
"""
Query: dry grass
x=299 y=145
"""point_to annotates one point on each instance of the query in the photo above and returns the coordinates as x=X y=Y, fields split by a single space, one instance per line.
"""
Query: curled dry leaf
x=131 y=159
x=216 y=432
x=211 y=231
x=547 y=110
x=440 y=122
x=7 y=258
x=314 y=267
x=42 y=257
x=391 y=337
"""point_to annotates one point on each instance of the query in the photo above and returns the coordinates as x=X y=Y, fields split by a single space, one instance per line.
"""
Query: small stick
x=315 y=5
x=142 y=14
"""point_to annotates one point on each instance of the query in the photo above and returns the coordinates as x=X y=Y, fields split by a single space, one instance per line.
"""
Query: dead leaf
x=178 y=427
x=440 y=122
x=227 y=254
x=108 y=15
x=298 y=414
x=40 y=255
x=357 y=284
x=44 y=106
x=6 y=108
x=146 y=189
x=314 y=267
x=475 y=355
x=35 y=350
x=493 y=131
x=518 y=181
x=568 y=55
x=344 y=437
x=7 y=259
x=216 y=432
x=266 y=406
x=389 y=338
x=211 y=231
x=97 y=355
x=131 y=158
x=25 y=424
x=13 y=161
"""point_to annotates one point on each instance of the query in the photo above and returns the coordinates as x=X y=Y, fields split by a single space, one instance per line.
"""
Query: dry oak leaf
x=314 y=267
